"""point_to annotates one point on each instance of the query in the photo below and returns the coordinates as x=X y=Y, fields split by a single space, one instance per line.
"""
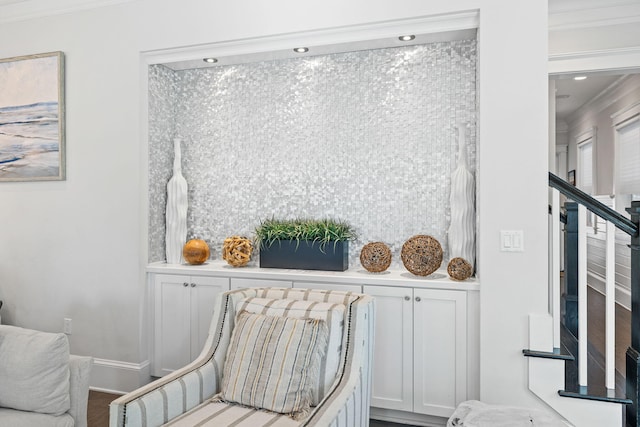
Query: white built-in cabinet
x=439 y=351
x=393 y=348
x=183 y=309
x=420 y=359
x=425 y=354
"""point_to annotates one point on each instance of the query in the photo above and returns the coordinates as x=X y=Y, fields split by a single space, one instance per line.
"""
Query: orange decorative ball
x=195 y=251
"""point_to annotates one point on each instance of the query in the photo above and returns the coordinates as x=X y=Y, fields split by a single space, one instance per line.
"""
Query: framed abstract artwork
x=32 y=136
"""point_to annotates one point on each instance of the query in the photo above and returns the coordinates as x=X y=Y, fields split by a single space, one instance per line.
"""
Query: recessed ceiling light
x=407 y=38
x=210 y=60
x=580 y=78
x=301 y=49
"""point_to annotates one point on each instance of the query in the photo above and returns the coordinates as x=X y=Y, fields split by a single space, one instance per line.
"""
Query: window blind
x=628 y=162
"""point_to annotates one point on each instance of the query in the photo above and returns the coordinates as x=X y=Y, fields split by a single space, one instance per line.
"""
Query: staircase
x=558 y=356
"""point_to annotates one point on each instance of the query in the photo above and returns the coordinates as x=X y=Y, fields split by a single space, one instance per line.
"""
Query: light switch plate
x=511 y=241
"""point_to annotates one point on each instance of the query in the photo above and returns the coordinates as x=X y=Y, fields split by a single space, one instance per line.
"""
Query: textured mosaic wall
x=163 y=93
x=368 y=137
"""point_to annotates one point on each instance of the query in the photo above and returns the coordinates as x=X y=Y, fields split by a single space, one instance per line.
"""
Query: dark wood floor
x=596 y=333
x=98 y=411
x=596 y=348
x=98 y=408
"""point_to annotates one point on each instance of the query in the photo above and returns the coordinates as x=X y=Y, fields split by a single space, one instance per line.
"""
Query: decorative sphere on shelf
x=375 y=257
x=459 y=269
x=237 y=250
x=195 y=251
x=421 y=255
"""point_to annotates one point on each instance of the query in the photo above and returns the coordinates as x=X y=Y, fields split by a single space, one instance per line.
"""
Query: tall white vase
x=462 y=233
x=176 y=213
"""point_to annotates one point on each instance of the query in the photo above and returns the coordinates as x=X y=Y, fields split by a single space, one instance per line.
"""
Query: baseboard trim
x=114 y=376
x=403 y=417
x=106 y=390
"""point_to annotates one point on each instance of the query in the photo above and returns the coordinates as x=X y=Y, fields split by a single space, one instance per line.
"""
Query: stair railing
x=575 y=303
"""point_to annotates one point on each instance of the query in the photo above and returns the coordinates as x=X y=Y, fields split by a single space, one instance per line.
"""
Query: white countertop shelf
x=355 y=275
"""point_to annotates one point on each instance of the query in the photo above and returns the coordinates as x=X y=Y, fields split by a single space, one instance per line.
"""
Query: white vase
x=462 y=233
x=176 y=213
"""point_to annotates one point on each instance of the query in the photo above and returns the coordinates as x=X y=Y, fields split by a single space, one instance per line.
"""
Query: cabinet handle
x=407 y=298
x=418 y=299
x=185 y=284
x=193 y=285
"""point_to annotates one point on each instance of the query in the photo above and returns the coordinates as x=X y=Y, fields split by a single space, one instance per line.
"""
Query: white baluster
x=555 y=266
x=610 y=308
x=582 y=296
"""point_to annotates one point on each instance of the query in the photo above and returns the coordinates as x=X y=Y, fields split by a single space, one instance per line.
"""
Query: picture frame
x=571 y=177
x=32 y=118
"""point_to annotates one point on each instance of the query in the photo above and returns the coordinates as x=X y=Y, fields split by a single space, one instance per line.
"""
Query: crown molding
x=31 y=9
x=625 y=58
x=573 y=14
x=428 y=29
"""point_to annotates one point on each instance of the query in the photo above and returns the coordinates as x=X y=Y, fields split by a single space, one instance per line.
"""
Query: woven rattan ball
x=375 y=257
x=421 y=255
x=237 y=250
x=459 y=269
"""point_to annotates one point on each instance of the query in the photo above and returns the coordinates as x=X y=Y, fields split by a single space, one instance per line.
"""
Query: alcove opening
x=364 y=132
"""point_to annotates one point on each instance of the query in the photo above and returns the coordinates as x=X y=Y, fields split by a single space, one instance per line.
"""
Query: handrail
x=595 y=206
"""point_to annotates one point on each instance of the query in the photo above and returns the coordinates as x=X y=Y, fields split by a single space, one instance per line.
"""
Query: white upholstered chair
x=238 y=378
x=41 y=384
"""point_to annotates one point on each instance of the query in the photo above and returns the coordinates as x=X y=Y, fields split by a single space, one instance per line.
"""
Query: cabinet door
x=440 y=351
x=393 y=350
x=239 y=283
x=172 y=313
x=328 y=286
x=204 y=291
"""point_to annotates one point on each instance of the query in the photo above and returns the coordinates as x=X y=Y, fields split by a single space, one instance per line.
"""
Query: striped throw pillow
x=331 y=312
x=273 y=362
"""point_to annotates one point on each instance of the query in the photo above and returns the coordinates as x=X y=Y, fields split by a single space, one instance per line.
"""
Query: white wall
x=513 y=49
x=72 y=248
x=598 y=113
x=77 y=248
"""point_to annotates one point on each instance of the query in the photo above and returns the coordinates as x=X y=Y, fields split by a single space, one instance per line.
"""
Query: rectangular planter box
x=305 y=255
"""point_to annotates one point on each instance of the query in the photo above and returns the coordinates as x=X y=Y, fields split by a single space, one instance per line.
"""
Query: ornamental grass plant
x=321 y=231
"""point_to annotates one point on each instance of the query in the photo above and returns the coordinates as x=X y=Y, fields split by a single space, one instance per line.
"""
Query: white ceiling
x=572 y=94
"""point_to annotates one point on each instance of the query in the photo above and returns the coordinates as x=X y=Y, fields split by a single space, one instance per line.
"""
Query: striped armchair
x=197 y=394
